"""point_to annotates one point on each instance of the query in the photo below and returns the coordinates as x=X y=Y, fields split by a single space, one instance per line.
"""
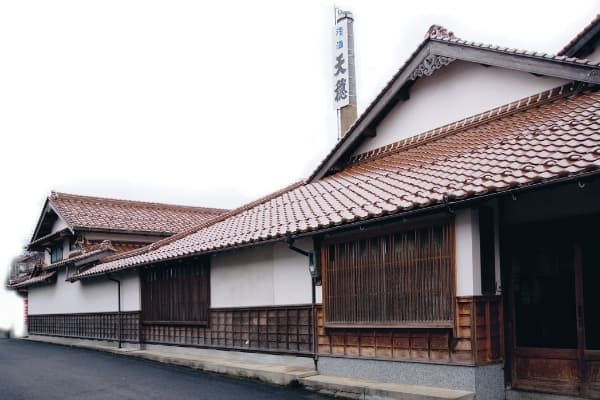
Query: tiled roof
x=52 y=235
x=93 y=252
x=30 y=281
x=542 y=138
x=572 y=46
x=98 y=213
x=437 y=34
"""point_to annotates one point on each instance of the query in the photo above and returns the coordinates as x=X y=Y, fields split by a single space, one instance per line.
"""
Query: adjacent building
x=76 y=232
x=448 y=239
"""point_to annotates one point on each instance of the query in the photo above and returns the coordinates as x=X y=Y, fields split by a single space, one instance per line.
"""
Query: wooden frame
x=568 y=371
x=271 y=329
x=97 y=326
x=397 y=251
x=176 y=293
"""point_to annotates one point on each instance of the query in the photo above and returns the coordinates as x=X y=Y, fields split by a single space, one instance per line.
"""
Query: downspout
x=313 y=312
x=311 y=256
x=118 y=306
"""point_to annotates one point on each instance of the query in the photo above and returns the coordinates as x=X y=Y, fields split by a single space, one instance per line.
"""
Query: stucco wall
x=59 y=225
x=468 y=258
x=269 y=274
x=454 y=92
x=93 y=295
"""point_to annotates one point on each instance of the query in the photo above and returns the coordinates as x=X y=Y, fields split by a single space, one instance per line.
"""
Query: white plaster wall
x=66 y=248
x=468 y=255
x=242 y=277
x=456 y=91
x=291 y=278
x=59 y=225
x=94 y=295
x=269 y=274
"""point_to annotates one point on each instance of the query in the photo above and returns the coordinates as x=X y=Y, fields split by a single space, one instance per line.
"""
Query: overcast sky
x=202 y=103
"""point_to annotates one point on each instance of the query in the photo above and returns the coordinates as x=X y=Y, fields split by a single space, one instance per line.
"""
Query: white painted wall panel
x=468 y=258
x=454 y=92
x=95 y=295
x=270 y=274
x=291 y=278
x=242 y=277
x=59 y=225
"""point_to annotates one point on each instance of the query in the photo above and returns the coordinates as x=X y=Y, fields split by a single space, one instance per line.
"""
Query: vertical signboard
x=341 y=70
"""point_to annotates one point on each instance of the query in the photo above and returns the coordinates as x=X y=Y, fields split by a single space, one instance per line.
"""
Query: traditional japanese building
x=75 y=232
x=448 y=239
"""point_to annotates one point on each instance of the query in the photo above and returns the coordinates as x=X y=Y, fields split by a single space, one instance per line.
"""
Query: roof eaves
x=42 y=278
x=135 y=203
x=125 y=231
x=49 y=236
x=582 y=38
x=181 y=235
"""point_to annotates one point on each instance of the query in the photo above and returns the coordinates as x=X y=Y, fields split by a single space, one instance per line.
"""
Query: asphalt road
x=30 y=370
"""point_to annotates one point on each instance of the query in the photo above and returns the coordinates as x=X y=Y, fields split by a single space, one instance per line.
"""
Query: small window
x=56 y=253
x=73 y=245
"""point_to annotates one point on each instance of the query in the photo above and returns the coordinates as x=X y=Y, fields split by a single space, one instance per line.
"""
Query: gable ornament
x=429 y=65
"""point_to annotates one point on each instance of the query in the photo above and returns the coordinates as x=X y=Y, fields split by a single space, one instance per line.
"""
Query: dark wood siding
x=277 y=329
x=398 y=279
x=177 y=292
x=104 y=326
x=476 y=338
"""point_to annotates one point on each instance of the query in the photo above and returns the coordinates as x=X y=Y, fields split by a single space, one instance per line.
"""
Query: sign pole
x=344 y=77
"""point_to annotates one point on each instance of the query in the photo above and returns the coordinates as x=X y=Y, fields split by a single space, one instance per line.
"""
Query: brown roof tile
x=30 y=281
x=98 y=213
x=538 y=139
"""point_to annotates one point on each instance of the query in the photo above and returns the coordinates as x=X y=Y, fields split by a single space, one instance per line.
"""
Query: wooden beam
x=520 y=62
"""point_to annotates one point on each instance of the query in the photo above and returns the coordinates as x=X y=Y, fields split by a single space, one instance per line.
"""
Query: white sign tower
x=344 y=82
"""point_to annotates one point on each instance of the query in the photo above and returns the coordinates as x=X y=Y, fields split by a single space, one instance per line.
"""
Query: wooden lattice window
x=176 y=293
x=397 y=279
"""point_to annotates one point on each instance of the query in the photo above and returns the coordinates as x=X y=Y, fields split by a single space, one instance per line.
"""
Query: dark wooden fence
x=104 y=326
x=273 y=329
x=276 y=329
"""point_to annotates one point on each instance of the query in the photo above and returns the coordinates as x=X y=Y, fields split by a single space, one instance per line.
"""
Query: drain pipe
x=313 y=312
x=118 y=306
x=311 y=265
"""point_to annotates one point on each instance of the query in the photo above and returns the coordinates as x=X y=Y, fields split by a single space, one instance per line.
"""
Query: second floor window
x=56 y=253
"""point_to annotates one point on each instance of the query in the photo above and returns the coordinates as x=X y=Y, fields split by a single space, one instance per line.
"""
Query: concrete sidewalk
x=274 y=370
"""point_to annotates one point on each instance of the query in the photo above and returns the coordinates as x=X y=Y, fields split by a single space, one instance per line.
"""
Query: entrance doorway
x=554 y=306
